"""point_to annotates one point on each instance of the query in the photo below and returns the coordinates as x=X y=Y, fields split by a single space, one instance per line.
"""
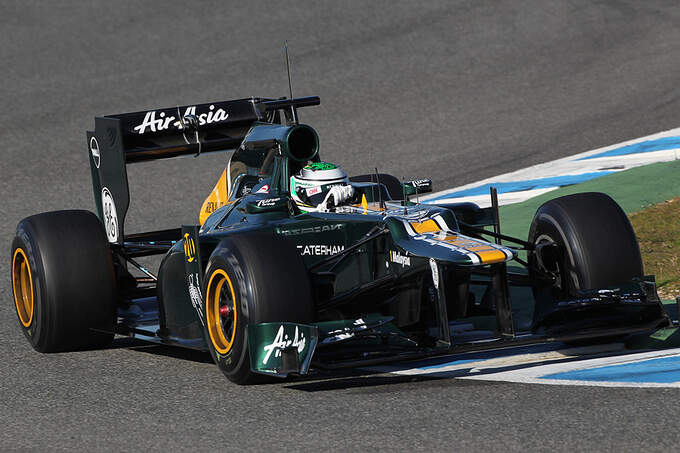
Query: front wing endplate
x=281 y=348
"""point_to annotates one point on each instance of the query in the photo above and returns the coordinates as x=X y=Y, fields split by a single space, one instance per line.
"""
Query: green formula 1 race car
x=295 y=266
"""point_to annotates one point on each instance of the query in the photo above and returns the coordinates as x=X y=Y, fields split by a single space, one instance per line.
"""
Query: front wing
x=280 y=349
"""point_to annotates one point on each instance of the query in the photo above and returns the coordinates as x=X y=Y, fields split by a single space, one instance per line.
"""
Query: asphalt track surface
x=454 y=90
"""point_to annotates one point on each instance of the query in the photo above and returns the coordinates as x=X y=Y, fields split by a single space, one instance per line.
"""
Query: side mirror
x=417 y=186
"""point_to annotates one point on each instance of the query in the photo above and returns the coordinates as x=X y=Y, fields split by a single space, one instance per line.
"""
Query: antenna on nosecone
x=290 y=85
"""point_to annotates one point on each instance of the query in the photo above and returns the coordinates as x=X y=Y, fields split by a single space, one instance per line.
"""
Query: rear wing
x=118 y=140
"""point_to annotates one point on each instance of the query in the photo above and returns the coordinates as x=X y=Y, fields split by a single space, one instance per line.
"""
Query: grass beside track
x=658 y=232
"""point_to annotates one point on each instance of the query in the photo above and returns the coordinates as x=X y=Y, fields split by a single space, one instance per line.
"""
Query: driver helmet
x=310 y=185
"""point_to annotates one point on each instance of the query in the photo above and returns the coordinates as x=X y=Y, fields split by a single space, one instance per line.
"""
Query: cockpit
x=277 y=159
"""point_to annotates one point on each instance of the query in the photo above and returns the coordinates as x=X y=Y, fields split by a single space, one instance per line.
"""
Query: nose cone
x=431 y=237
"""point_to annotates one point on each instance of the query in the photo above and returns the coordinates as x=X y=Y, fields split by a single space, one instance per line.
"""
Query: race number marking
x=110 y=215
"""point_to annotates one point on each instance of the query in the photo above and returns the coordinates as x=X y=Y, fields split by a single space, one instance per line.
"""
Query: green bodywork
x=387 y=276
x=365 y=255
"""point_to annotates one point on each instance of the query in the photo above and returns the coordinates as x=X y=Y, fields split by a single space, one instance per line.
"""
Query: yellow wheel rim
x=22 y=286
x=221 y=311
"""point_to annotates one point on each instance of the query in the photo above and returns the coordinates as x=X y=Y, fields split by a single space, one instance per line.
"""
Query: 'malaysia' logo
x=398 y=258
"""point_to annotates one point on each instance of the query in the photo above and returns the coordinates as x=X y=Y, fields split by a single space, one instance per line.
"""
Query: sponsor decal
x=94 y=149
x=268 y=202
x=195 y=293
x=468 y=244
x=398 y=258
x=435 y=273
x=313 y=190
x=160 y=122
x=282 y=341
x=338 y=335
x=320 y=250
x=302 y=184
x=314 y=229
x=344 y=333
x=421 y=183
x=263 y=189
x=189 y=248
x=110 y=215
x=213 y=206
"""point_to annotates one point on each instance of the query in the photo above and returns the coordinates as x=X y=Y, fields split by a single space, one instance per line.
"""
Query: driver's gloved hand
x=336 y=196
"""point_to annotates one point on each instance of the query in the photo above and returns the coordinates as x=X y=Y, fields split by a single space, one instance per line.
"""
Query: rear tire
x=390 y=182
x=259 y=277
x=63 y=281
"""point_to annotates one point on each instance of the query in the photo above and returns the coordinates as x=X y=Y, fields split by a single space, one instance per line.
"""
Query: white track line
x=535 y=375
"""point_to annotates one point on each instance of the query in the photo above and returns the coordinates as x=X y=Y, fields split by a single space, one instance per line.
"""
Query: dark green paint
x=268 y=343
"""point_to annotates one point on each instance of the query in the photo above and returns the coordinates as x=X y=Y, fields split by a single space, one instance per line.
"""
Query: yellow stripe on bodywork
x=487 y=254
x=491 y=256
x=427 y=226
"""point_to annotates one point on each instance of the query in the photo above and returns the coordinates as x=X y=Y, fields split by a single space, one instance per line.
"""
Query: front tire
x=63 y=281
x=251 y=278
x=593 y=247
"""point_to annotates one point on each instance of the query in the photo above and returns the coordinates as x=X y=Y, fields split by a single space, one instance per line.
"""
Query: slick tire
x=390 y=182
x=597 y=247
x=259 y=277
x=63 y=281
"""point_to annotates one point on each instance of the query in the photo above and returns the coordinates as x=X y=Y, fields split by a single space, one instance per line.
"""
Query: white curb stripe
x=572 y=165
